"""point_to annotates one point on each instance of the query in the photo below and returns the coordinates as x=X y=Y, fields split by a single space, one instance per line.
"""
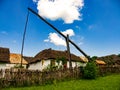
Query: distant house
x=111 y=59
x=10 y=60
x=15 y=61
x=4 y=57
x=48 y=57
x=98 y=61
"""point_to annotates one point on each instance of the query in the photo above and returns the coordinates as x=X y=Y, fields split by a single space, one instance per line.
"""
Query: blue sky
x=96 y=31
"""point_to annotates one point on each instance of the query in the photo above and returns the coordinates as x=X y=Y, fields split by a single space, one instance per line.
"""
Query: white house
x=49 y=57
x=45 y=59
x=9 y=60
x=15 y=61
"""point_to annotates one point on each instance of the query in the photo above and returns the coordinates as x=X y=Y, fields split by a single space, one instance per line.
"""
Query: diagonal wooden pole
x=88 y=57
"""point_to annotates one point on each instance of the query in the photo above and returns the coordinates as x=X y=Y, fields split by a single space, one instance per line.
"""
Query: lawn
x=111 y=82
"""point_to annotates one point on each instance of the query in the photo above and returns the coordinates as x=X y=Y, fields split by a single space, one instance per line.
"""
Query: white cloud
x=58 y=40
x=70 y=32
x=67 y=10
x=35 y=1
x=46 y=40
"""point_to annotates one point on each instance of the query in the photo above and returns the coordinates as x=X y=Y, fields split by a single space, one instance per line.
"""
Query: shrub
x=94 y=58
x=58 y=61
x=118 y=55
x=64 y=61
x=18 y=66
x=90 y=71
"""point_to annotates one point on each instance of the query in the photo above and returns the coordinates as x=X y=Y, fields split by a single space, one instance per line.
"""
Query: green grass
x=111 y=82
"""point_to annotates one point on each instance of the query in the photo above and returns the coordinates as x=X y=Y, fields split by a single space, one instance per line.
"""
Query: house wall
x=76 y=64
x=8 y=66
x=3 y=66
x=38 y=65
x=82 y=64
x=13 y=65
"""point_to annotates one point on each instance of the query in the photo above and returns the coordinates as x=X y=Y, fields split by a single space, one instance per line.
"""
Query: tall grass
x=111 y=82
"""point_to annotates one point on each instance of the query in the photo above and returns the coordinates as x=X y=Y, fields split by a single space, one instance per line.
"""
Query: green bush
x=18 y=66
x=90 y=71
x=118 y=55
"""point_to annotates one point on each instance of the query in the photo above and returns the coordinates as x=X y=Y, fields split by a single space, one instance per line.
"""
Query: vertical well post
x=68 y=51
x=24 y=39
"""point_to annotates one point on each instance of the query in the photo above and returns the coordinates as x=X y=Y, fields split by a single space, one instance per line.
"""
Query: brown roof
x=111 y=59
x=100 y=62
x=54 y=54
x=16 y=59
x=28 y=59
x=84 y=59
x=4 y=54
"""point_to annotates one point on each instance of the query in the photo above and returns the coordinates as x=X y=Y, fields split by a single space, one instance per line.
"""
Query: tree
x=94 y=58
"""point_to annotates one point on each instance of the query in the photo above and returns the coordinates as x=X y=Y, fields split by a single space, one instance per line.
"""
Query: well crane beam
x=88 y=57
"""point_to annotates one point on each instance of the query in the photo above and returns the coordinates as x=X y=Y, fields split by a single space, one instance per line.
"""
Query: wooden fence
x=24 y=77
x=109 y=69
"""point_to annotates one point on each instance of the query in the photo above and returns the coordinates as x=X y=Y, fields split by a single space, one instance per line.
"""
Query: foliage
x=64 y=61
x=94 y=58
x=2 y=63
x=118 y=55
x=18 y=66
x=58 y=61
x=48 y=68
x=54 y=67
x=111 y=82
x=90 y=71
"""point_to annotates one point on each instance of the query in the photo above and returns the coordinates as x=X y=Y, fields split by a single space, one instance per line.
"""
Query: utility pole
x=68 y=51
x=24 y=39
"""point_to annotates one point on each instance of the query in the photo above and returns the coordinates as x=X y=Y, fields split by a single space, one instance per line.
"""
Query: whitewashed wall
x=8 y=66
x=82 y=64
x=38 y=65
x=76 y=64
x=3 y=66
x=13 y=65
